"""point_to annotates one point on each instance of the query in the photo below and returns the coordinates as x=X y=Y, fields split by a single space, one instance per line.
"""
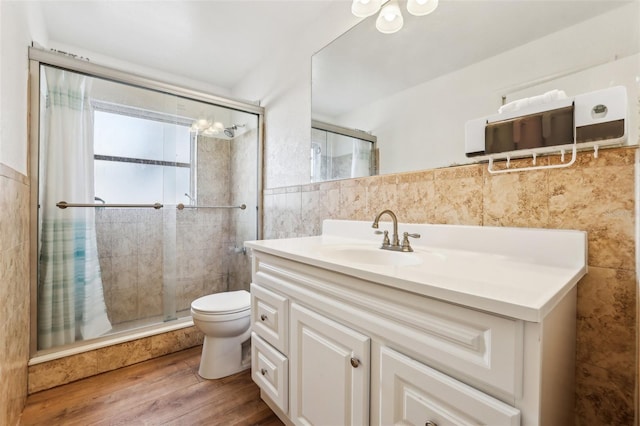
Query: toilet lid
x=223 y=303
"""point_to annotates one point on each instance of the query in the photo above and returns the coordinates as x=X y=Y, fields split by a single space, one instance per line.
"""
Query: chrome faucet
x=395 y=243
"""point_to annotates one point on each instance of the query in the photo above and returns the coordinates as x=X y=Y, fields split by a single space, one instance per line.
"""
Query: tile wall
x=595 y=195
x=14 y=293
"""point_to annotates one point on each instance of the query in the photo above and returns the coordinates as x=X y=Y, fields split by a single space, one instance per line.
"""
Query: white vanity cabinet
x=336 y=345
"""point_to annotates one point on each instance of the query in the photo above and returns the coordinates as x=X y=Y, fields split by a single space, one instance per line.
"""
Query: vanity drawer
x=270 y=317
x=411 y=393
x=270 y=371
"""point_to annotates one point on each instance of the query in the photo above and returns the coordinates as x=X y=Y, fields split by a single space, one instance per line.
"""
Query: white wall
x=425 y=124
x=20 y=23
x=282 y=83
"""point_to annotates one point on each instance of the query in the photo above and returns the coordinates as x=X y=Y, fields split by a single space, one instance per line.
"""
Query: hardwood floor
x=162 y=391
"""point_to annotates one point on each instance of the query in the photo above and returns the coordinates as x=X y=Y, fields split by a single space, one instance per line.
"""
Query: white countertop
x=516 y=272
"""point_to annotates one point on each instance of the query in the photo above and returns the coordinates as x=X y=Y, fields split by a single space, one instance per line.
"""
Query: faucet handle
x=406 y=246
x=385 y=240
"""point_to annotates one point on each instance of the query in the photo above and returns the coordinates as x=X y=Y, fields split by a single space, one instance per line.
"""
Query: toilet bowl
x=224 y=318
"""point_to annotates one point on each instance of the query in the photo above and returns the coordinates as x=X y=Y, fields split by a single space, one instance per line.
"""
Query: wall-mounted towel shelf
x=536 y=126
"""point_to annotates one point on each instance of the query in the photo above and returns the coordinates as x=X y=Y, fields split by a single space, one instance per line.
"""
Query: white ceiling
x=219 y=41
x=213 y=41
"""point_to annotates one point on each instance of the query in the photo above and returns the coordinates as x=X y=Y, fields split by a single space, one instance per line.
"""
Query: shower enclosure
x=143 y=194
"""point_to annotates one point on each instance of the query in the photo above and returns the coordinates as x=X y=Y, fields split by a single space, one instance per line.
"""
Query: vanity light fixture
x=390 y=18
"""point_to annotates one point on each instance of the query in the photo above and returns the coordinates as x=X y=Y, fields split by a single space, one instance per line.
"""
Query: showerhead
x=231 y=131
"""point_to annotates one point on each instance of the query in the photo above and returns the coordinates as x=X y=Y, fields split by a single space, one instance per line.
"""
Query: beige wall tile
x=603 y=397
x=415 y=198
x=128 y=353
x=381 y=195
x=599 y=200
x=166 y=343
x=518 y=199
x=353 y=199
x=64 y=370
x=606 y=328
x=14 y=292
x=458 y=195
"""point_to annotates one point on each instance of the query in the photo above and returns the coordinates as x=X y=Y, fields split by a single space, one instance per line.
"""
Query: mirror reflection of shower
x=340 y=153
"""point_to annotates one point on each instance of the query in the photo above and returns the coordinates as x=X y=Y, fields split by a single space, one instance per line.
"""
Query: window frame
x=142 y=114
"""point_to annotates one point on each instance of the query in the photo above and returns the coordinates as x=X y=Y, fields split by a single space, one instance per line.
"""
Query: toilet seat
x=222 y=303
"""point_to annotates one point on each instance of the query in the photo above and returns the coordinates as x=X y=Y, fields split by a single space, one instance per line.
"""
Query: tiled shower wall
x=14 y=293
x=595 y=195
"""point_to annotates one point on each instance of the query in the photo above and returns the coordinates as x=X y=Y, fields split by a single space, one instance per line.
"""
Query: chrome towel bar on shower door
x=64 y=205
x=182 y=206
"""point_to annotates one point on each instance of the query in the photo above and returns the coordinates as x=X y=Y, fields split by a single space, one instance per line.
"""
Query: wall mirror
x=414 y=90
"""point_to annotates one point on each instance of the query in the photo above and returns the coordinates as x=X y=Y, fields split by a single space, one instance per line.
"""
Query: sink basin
x=369 y=255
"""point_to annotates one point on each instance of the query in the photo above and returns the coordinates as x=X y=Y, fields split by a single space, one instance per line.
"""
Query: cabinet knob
x=355 y=362
x=430 y=423
x=263 y=317
x=263 y=371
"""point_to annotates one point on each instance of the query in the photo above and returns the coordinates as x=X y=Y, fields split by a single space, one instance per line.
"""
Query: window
x=141 y=157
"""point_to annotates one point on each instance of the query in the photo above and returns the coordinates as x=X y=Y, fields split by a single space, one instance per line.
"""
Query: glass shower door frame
x=39 y=57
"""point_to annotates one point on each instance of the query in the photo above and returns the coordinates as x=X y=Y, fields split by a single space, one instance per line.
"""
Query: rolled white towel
x=550 y=96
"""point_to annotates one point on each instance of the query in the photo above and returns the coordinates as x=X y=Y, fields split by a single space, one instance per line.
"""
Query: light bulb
x=201 y=124
x=390 y=19
x=421 y=7
x=365 y=8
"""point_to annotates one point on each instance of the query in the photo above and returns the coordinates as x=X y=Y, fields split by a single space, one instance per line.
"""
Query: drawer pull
x=263 y=317
x=430 y=423
x=355 y=363
x=263 y=371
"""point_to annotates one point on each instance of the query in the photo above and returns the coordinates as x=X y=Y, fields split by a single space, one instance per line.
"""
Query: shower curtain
x=361 y=158
x=70 y=295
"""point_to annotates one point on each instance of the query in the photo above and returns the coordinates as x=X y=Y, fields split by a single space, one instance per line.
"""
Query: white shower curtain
x=361 y=158
x=70 y=295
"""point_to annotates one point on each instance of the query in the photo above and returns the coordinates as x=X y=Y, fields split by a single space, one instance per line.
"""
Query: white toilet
x=224 y=318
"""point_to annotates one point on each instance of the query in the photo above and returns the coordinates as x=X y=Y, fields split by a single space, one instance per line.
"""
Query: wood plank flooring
x=162 y=391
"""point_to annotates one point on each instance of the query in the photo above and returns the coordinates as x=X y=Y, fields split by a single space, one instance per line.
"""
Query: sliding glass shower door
x=144 y=201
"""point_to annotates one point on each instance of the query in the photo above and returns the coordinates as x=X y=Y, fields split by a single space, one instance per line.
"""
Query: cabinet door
x=412 y=393
x=329 y=371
